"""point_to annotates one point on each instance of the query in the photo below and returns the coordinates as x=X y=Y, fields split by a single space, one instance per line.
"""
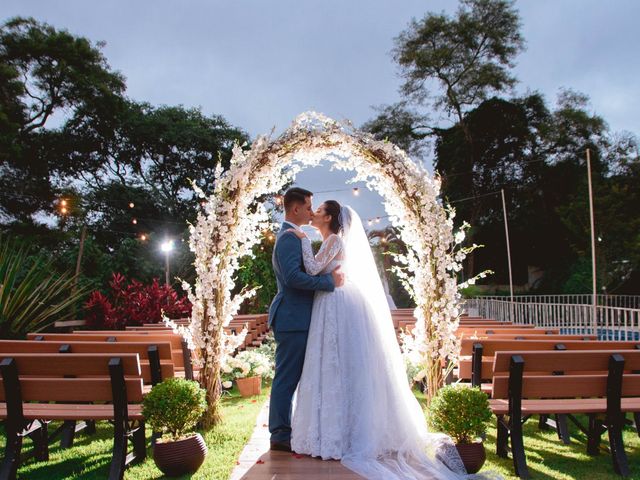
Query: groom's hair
x=295 y=195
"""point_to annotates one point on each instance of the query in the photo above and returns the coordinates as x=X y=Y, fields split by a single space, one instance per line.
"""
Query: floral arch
x=233 y=219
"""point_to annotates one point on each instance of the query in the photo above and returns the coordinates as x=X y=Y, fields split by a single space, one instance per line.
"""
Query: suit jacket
x=290 y=310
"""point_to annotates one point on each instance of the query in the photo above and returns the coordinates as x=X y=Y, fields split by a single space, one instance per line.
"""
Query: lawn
x=90 y=456
x=547 y=457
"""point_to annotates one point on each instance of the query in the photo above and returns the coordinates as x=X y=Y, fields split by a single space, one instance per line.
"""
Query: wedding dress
x=353 y=401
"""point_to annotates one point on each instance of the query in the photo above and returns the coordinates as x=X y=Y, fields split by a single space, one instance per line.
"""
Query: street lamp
x=166 y=247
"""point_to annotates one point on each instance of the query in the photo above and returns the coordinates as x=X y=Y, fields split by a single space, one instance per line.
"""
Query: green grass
x=90 y=456
x=548 y=458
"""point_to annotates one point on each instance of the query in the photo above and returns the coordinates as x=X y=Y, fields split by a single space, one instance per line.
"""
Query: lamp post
x=506 y=234
x=166 y=247
x=594 y=298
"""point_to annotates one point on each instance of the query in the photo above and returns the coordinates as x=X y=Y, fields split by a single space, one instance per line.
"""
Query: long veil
x=408 y=450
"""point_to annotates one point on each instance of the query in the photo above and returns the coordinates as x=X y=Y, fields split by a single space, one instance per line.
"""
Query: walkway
x=257 y=462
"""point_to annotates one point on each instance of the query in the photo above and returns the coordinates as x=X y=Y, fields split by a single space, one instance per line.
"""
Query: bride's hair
x=331 y=207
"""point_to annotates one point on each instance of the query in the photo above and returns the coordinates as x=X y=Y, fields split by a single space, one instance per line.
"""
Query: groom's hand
x=338 y=277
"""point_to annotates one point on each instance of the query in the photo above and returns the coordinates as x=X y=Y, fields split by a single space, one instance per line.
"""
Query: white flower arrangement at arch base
x=233 y=221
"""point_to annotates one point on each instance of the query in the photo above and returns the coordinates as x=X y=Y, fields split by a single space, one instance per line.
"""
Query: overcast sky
x=259 y=63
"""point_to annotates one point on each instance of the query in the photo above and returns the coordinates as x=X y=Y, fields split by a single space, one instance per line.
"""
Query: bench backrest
x=527 y=336
x=142 y=349
x=467 y=331
x=586 y=373
x=47 y=377
x=490 y=346
x=119 y=337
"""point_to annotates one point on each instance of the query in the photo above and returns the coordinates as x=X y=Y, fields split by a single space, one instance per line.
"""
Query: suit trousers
x=290 y=352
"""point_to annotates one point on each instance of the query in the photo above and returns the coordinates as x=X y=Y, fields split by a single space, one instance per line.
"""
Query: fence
x=606 y=321
x=624 y=301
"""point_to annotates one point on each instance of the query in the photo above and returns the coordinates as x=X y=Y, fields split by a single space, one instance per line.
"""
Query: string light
x=278 y=199
x=63 y=202
x=356 y=191
x=143 y=237
x=134 y=221
x=63 y=210
x=131 y=205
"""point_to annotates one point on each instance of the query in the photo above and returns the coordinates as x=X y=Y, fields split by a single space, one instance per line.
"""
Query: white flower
x=231 y=224
x=227 y=384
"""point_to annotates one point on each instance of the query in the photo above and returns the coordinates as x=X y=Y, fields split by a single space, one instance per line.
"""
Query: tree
x=454 y=63
x=43 y=71
x=158 y=149
x=506 y=154
x=468 y=57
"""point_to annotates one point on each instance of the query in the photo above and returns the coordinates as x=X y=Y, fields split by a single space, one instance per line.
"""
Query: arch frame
x=235 y=215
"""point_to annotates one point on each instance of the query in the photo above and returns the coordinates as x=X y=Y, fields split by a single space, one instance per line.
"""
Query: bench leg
x=618 y=455
x=119 y=459
x=68 y=434
x=517 y=449
x=139 y=445
x=563 y=429
x=40 y=437
x=90 y=429
x=595 y=432
x=542 y=423
x=502 y=439
x=9 y=467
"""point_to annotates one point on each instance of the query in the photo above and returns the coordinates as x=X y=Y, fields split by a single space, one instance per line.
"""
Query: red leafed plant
x=134 y=304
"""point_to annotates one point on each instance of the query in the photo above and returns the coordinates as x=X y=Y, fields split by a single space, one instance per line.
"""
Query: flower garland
x=232 y=222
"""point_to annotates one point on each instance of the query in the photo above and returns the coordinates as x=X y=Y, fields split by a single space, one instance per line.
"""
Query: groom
x=290 y=313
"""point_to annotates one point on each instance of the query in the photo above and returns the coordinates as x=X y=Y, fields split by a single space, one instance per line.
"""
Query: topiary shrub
x=174 y=406
x=461 y=412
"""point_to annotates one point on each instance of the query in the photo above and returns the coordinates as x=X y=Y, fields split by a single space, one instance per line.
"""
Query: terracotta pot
x=473 y=455
x=181 y=457
x=249 y=386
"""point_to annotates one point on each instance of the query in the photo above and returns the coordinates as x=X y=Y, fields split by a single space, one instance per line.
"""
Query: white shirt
x=292 y=225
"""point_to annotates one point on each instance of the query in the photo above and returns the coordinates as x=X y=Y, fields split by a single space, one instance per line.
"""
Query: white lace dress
x=350 y=404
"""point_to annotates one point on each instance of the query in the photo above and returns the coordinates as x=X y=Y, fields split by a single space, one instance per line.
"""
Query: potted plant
x=462 y=412
x=173 y=407
x=247 y=369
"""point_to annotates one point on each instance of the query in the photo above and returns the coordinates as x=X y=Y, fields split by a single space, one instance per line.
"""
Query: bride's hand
x=298 y=233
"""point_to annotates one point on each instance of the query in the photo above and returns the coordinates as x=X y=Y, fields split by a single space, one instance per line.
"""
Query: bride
x=353 y=402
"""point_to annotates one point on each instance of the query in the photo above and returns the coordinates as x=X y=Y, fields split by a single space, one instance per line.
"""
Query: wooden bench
x=180 y=353
x=31 y=381
x=506 y=330
x=477 y=355
x=156 y=362
x=534 y=336
x=594 y=383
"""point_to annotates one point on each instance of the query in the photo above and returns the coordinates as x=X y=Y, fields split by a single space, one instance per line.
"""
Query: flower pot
x=473 y=455
x=249 y=386
x=180 y=457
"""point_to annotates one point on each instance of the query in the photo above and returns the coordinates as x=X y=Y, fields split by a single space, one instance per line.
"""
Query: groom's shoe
x=281 y=446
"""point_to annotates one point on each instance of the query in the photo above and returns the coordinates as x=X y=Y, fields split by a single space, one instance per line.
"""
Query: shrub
x=32 y=294
x=461 y=412
x=174 y=406
x=134 y=304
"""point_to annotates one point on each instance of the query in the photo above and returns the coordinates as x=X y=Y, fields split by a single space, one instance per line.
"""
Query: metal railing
x=623 y=301
x=605 y=321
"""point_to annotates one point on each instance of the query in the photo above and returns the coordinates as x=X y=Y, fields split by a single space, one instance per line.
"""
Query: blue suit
x=289 y=318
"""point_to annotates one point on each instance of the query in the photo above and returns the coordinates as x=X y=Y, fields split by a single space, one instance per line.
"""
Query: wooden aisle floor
x=257 y=462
